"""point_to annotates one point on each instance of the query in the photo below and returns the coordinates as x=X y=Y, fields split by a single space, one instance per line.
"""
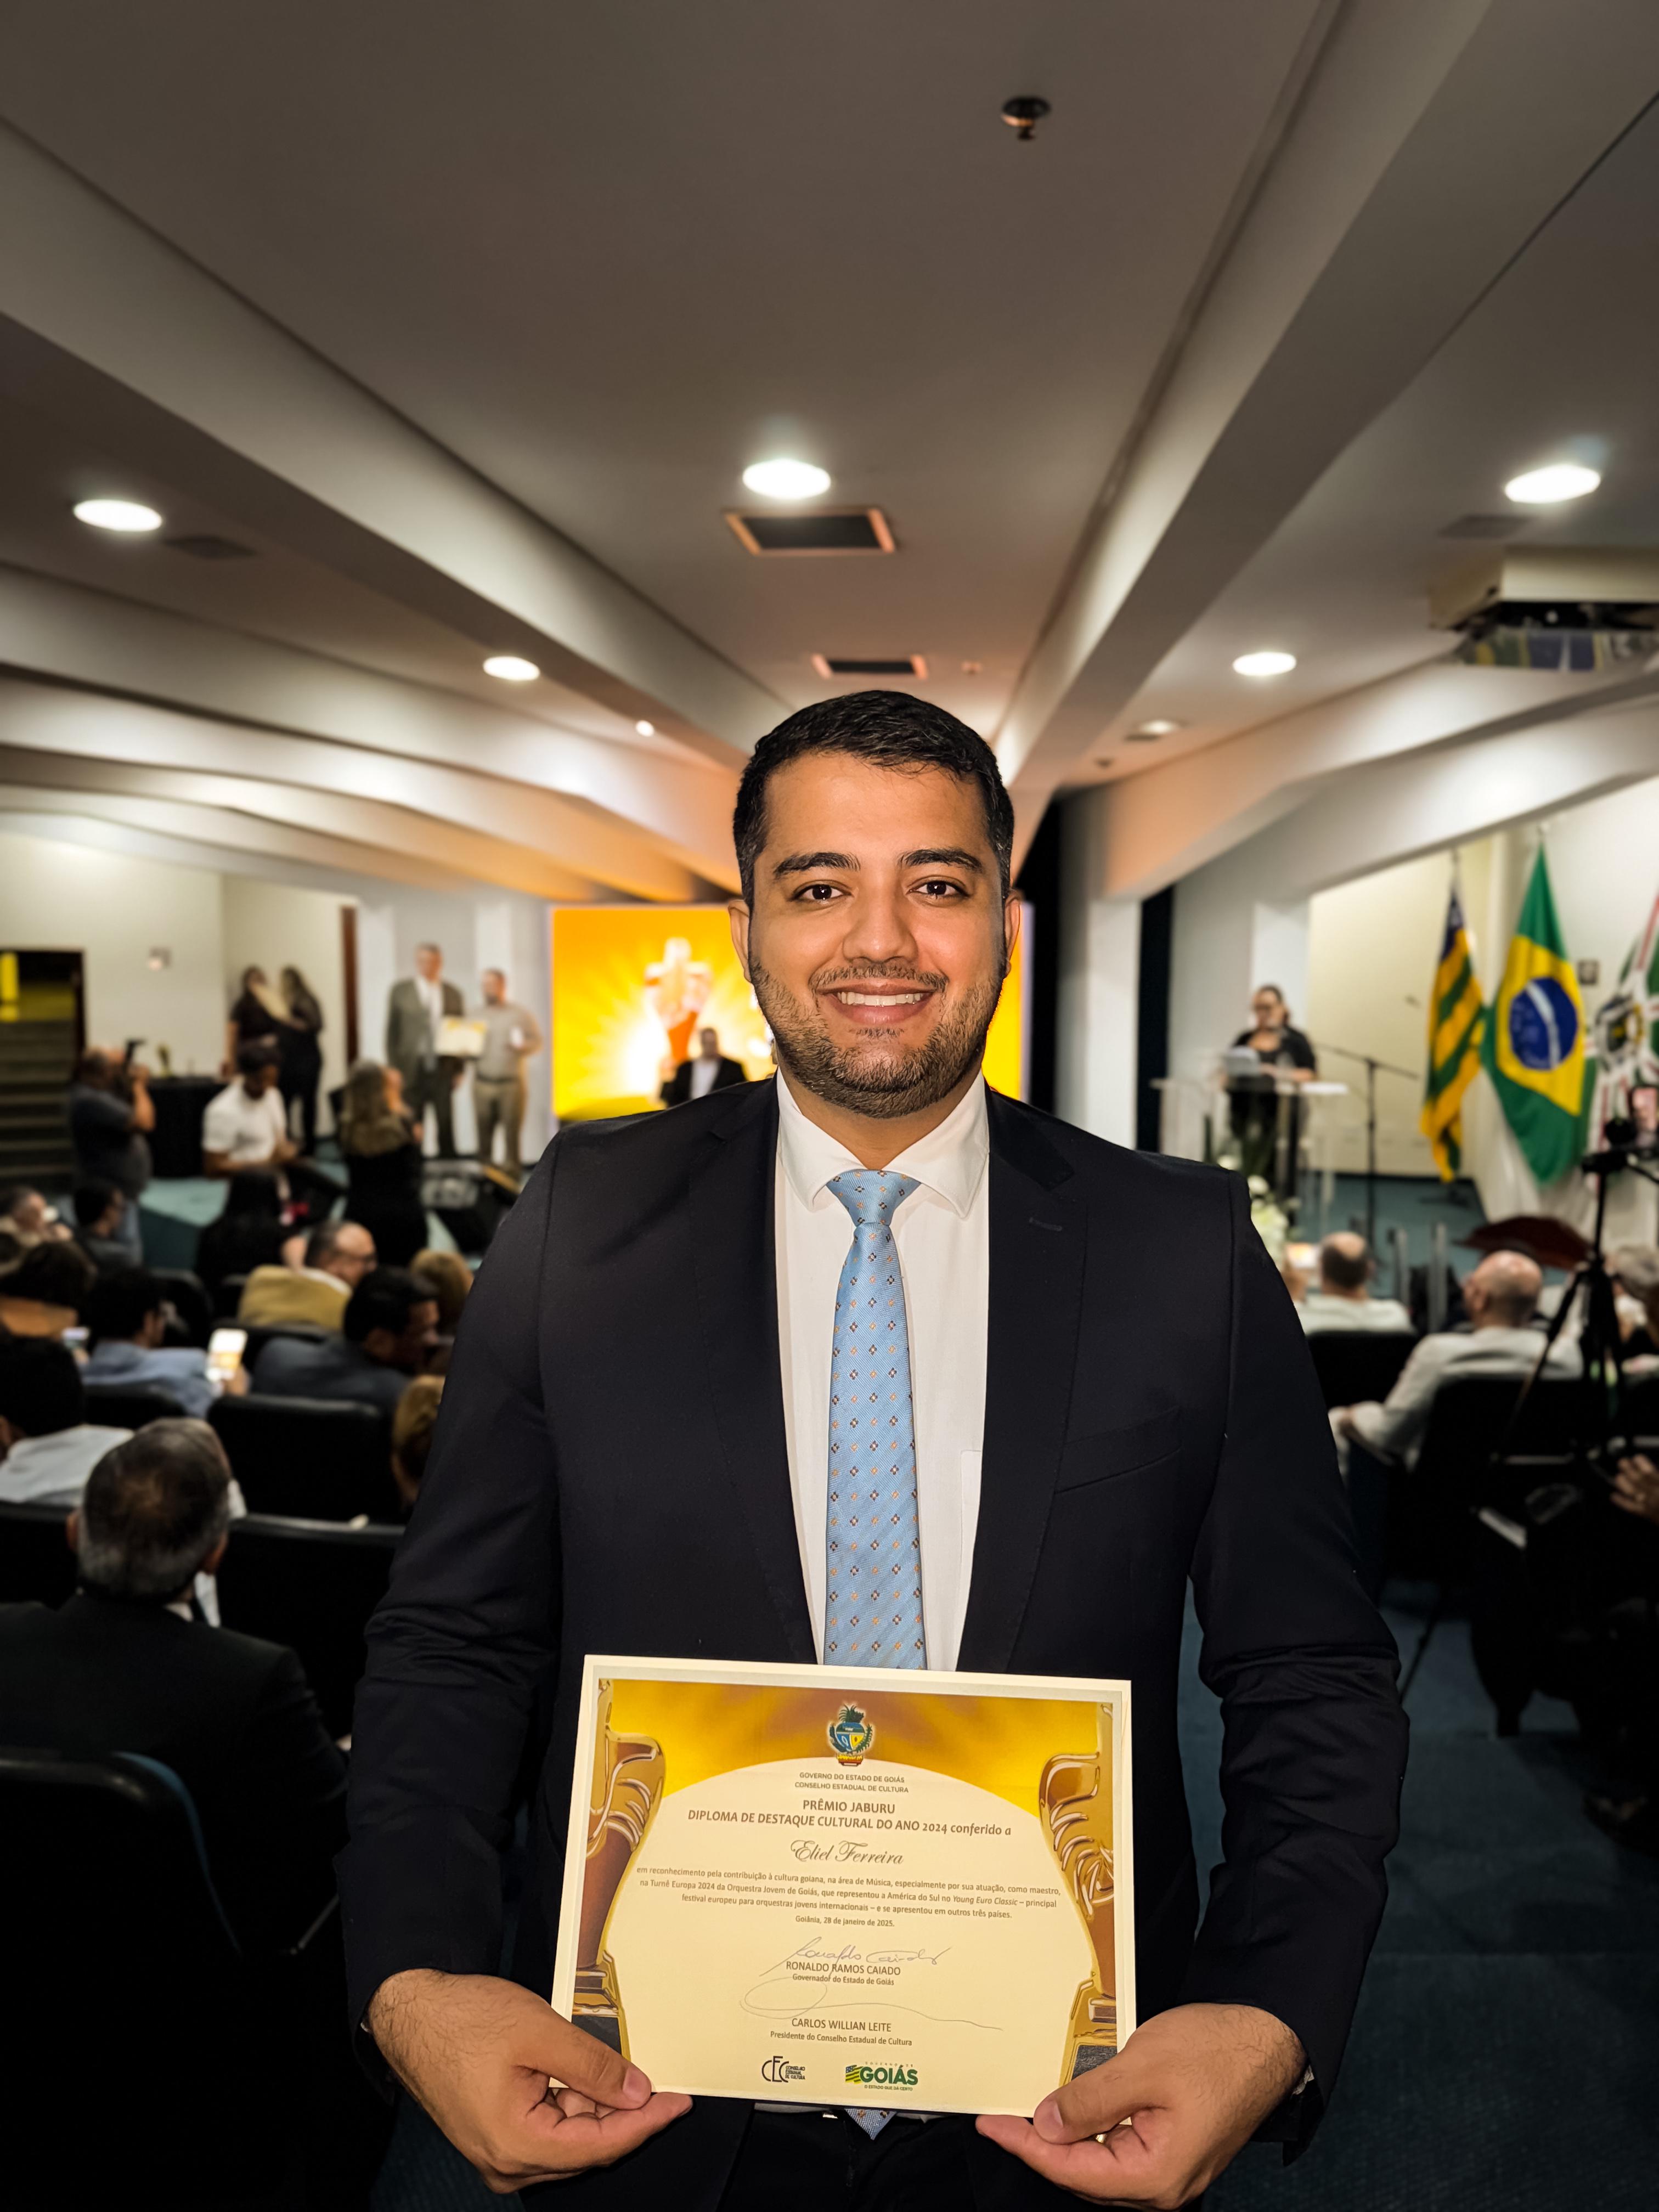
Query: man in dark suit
x=387 y=1333
x=127 y=1666
x=709 y=1070
x=415 y=1008
x=1109 y=1396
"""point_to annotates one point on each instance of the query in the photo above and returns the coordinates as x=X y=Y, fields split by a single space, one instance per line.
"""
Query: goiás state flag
x=1533 y=1046
x=1457 y=1012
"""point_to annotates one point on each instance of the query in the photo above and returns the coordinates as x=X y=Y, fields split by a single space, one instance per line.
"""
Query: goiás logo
x=850 y=1735
x=882 y=2077
x=779 y=2068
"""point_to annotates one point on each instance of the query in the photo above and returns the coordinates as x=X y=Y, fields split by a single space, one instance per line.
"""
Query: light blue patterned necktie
x=873 y=1589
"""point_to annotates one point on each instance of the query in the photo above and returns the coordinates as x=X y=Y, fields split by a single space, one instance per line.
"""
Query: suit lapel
x=1038 y=1238
x=733 y=1180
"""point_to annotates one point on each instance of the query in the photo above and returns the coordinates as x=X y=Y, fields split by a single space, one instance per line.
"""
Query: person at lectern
x=417 y=1009
x=1104 y=1396
x=1268 y=1136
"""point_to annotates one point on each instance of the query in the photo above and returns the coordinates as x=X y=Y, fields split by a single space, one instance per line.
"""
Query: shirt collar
x=948 y=1161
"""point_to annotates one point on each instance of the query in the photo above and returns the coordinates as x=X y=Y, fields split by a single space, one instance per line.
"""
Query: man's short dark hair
x=385 y=1299
x=152 y=1510
x=321 y=1243
x=56 y=1275
x=40 y=1390
x=13 y=1194
x=251 y=1058
x=122 y=1302
x=890 y=729
x=92 y=1199
x=1345 y=1270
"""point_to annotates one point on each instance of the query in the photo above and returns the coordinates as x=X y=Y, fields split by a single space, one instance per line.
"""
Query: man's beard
x=882 y=1080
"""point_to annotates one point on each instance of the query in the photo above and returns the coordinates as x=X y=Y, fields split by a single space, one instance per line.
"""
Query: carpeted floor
x=1506 y=2057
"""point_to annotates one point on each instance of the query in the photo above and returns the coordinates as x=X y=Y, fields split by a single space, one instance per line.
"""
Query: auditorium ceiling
x=465 y=322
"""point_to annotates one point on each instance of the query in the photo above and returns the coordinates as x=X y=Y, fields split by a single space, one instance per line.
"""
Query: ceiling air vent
x=204 y=546
x=827 y=530
x=904 y=664
x=1487 y=525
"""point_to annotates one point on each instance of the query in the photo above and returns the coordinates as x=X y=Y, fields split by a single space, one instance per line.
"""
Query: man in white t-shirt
x=246 y=1125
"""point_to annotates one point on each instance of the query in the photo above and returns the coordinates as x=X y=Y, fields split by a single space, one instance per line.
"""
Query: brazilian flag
x=1533 y=1046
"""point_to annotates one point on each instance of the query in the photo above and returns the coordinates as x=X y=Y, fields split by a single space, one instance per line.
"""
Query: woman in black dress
x=1282 y=1050
x=302 y=1055
x=254 y=1019
x=382 y=1151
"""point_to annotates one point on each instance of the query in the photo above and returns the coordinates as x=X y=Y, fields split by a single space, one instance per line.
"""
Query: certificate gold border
x=619 y=1779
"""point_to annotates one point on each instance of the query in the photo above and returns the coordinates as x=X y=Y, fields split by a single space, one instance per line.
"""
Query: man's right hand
x=478 y=2054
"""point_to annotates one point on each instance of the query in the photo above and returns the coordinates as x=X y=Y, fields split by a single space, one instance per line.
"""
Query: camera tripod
x=1601 y=1417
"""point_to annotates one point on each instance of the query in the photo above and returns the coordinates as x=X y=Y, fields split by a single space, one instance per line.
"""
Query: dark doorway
x=1153 y=1014
x=42 y=1035
x=1039 y=885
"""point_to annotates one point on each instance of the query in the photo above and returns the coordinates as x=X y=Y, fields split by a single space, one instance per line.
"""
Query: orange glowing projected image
x=633 y=986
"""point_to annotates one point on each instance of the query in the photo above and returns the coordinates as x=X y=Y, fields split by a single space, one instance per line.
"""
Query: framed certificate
x=850 y=1886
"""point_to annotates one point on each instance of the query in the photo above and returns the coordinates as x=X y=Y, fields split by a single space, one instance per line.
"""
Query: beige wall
x=273 y=926
x=117 y=910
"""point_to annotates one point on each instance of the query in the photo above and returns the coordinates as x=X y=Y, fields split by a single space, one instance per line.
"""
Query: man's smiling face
x=878 y=938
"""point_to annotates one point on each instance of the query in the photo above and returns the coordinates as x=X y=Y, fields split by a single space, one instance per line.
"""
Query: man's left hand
x=1183 y=2095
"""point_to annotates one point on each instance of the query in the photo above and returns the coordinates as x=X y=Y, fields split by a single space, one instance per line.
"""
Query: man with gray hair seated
x=128 y=1665
x=1501 y=1299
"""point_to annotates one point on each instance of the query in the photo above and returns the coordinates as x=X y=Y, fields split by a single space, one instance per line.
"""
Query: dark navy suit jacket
x=609 y=1474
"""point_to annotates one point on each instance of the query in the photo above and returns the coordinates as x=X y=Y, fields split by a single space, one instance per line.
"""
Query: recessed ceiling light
x=1162 y=726
x=117 y=515
x=646 y=729
x=510 y=669
x=784 y=479
x=1264 y=664
x=1558 y=480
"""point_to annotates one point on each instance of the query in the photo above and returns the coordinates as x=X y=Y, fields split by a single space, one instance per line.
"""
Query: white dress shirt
x=52 y=1470
x=430 y=990
x=1325 y=1309
x=942 y=1232
x=703 y=1072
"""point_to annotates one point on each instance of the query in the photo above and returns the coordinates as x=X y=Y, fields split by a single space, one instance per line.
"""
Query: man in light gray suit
x=414 y=1009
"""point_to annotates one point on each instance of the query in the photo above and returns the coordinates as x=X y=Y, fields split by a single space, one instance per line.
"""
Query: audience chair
x=322 y=1459
x=1431 y=1508
x=228 y=1296
x=130 y=1406
x=191 y=1302
x=311 y=1585
x=260 y=1334
x=36 y=1563
x=1357 y=1364
x=123 y=1928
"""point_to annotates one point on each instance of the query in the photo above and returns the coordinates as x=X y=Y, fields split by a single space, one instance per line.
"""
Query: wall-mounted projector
x=1574 y=609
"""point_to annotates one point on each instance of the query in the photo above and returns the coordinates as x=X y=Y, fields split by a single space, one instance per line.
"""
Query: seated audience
x=390 y=1327
x=334 y=1259
x=248 y=1234
x=413 y=1427
x=451 y=1282
x=46 y=1291
x=25 y=1214
x=127 y=1317
x=49 y=1446
x=1501 y=1296
x=381 y=1147
x=1342 y=1298
x=126 y=1667
x=110 y=1115
x=99 y=1210
x=244 y=1125
x=1635 y=1272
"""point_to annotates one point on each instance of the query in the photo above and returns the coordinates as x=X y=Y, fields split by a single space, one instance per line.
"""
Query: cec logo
x=779 y=2068
x=882 y=2077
